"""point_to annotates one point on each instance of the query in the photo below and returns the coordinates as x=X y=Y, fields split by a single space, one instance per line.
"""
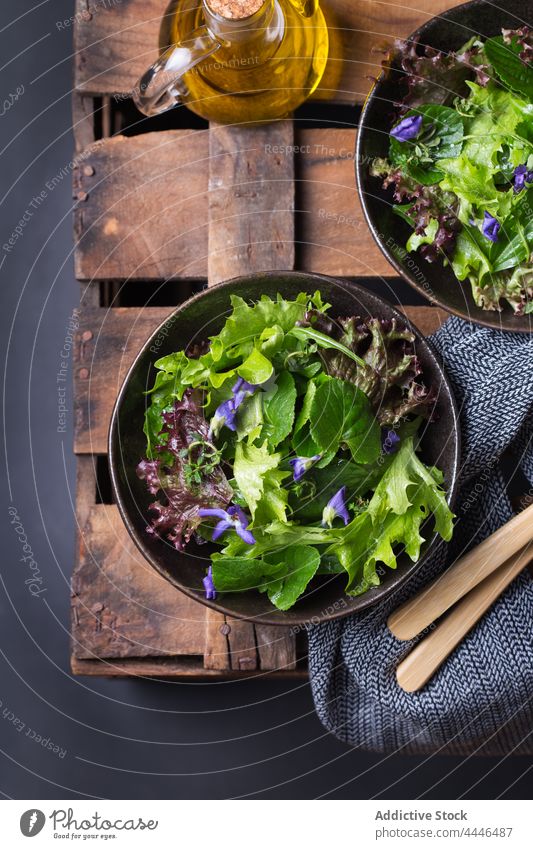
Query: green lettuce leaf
x=239 y=574
x=300 y=563
x=505 y=60
x=283 y=575
x=247 y=322
x=440 y=137
x=279 y=409
x=249 y=469
x=407 y=495
x=250 y=417
x=341 y=414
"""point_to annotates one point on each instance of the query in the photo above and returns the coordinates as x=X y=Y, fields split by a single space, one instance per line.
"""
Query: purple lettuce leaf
x=428 y=202
x=435 y=77
x=391 y=376
x=524 y=37
x=185 y=433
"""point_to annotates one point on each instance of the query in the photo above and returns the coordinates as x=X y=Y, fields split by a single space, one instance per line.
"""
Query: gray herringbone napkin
x=482 y=696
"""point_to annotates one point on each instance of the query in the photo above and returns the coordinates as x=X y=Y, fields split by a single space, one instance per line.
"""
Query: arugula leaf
x=505 y=60
x=324 y=341
x=301 y=563
x=279 y=409
x=341 y=413
x=322 y=483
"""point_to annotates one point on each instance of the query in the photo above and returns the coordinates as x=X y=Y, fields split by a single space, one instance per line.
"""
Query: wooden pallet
x=162 y=209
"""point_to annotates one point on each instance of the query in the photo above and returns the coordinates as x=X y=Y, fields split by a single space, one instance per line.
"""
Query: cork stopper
x=235 y=10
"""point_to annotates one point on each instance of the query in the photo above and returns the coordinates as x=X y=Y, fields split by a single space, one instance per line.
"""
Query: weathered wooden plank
x=243 y=651
x=276 y=647
x=117 y=40
x=120 y=606
x=427 y=319
x=82 y=121
x=333 y=236
x=142 y=208
x=181 y=668
x=251 y=200
x=106 y=344
x=216 y=651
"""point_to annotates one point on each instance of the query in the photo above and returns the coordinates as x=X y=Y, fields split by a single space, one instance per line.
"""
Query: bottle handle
x=158 y=88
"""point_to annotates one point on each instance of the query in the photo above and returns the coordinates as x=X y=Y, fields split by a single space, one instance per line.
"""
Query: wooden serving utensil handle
x=422 y=663
x=431 y=602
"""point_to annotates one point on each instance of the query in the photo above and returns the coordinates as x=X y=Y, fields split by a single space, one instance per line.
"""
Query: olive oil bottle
x=236 y=61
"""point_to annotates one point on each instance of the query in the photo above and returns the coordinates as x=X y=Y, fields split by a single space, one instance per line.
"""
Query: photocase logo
x=32 y=822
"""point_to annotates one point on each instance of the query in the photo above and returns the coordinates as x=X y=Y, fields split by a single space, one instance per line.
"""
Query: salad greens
x=290 y=442
x=460 y=162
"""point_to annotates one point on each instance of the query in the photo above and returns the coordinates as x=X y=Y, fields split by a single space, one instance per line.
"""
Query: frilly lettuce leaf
x=407 y=494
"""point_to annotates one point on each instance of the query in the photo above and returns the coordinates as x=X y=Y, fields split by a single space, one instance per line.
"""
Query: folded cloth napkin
x=481 y=700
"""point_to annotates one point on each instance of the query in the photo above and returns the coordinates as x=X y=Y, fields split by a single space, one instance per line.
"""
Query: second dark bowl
x=445 y=32
x=195 y=320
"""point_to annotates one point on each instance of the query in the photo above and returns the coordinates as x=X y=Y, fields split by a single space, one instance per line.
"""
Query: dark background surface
x=126 y=739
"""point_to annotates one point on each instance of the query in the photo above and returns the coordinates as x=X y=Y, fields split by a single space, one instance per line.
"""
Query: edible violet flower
x=301 y=465
x=336 y=506
x=389 y=441
x=209 y=586
x=490 y=227
x=231 y=519
x=226 y=412
x=520 y=177
x=407 y=129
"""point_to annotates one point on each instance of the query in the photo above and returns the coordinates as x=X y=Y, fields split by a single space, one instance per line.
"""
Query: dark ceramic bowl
x=203 y=316
x=445 y=32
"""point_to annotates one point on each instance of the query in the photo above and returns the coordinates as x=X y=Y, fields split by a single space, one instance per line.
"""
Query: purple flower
x=231 y=519
x=521 y=176
x=407 y=129
x=226 y=412
x=301 y=465
x=389 y=441
x=209 y=586
x=336 y=507
x=241 y=389
x=490 y=227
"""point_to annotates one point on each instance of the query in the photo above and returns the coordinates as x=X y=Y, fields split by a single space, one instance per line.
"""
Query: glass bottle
x=236 y=61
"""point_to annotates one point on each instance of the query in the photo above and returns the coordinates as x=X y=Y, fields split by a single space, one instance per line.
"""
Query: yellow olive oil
x=263 y=67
